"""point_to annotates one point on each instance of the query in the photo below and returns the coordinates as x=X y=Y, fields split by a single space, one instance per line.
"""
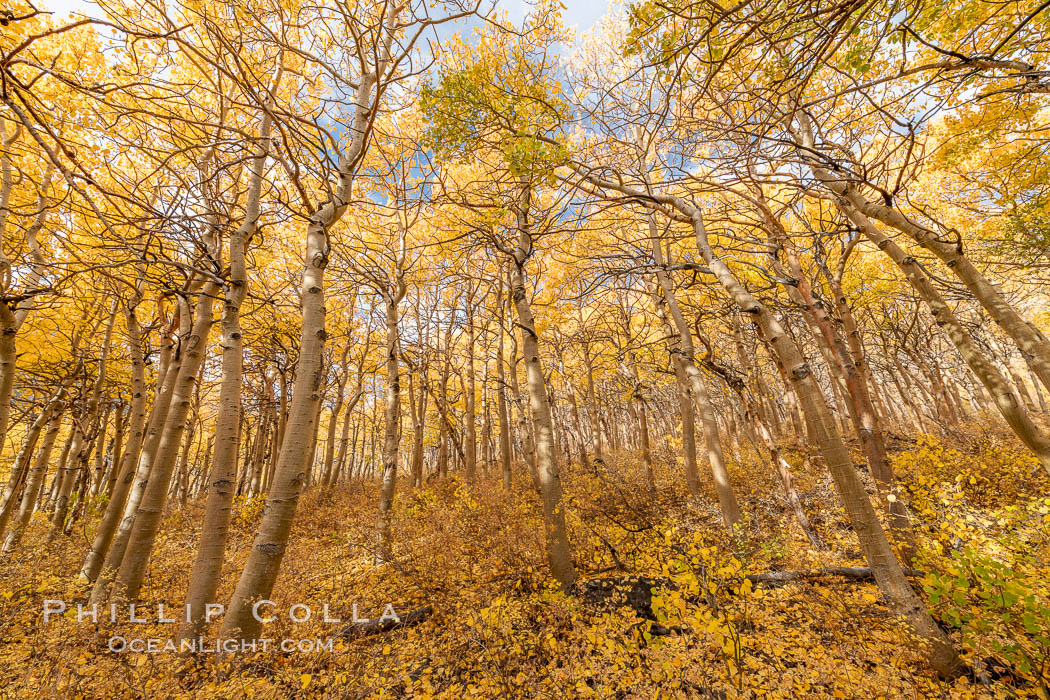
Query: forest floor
x=500 y=628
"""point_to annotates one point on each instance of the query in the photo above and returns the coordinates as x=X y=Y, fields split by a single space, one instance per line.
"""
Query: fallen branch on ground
x=359 y=630
x=863 y=573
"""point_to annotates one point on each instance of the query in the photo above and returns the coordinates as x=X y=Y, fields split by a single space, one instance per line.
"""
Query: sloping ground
x=663 y=607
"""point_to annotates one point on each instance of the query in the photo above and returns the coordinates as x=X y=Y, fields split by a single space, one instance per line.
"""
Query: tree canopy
x=700 y=352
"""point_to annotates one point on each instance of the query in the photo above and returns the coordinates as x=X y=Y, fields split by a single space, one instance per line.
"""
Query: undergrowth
x=501 y=628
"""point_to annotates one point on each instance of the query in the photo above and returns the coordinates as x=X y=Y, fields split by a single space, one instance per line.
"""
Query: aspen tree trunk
x=147 y=518
x=80 y=495
x=346 y=446
x=20 y=468
x=142 y=459
x=68 y=471
x=414 y=473
x=392 y=420
x=937 y=392
x=749 y=361
x=469 y=413
x=333 y=420
x=686 y=371
x=35 y=478
x=560 y=452
x=8 y=322
x=592 y=407
x=8 y=362
x=801 y=432
x=692 y=385
x=768 y=409
x=82 y=441
x=311 y=458
x=99 y=448
x=253 y=444
x=1034 y=347
x=753 y=419
x=358 y=457
x=260 y=451
x=974 y=395
x=7 y=183
x=267 y=433
x=876 y=547
x=527 y=447
x=418 y=401
x=341 y=462
x=914 y=383
x=741 y=423
x=858 y=400
x=367 y=465
x=348 y=467
x=561 y=427
x=841 y=402
x=454 y=439
x=181 y=485
x=688 y=415
x=712 y=439
x=501 y=392
x=284 y=385
x=202 y=457
x=40 y=492
x=250 y=444
x=951 y=396
x=419 y=414
x=13 y=315
x=441 y=400
x=887 y=409
x=559 y=553
x=783 y=470
x=83 y=494
x=869 y=417
x=574 y=410
x=607 y=420
x=486 y=420
x=579 y=433
x=16 y=477
x=1043 y=408
x=264 y=561
x=1005 y=399
x=278 y=435
x=116 y=448
x=63 y=459
x=331 y=432
x=67 y=477
x=1022 y=388
x=218 y=509
x=907 y=395
x=94 y=442
x=643 y=427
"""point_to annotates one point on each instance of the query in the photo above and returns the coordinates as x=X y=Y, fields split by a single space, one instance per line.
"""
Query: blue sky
x=579 y=13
